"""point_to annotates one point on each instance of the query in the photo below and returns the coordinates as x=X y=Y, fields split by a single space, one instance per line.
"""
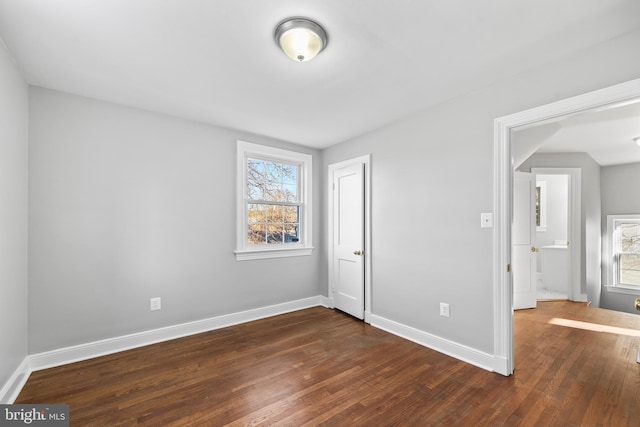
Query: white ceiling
x=605 y=134
x=215 y=61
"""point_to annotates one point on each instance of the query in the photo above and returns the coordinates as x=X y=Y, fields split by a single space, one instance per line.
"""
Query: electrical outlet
x=155 y=304
x=444 y=309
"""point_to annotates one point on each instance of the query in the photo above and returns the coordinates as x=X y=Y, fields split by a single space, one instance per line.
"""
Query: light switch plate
x=486 y=220
x=444 y=309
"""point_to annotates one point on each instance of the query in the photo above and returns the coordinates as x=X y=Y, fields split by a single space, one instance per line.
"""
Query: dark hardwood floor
x=321 y=367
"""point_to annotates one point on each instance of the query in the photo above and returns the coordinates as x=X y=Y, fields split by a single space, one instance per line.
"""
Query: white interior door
x=523 y=234
x=348 y=239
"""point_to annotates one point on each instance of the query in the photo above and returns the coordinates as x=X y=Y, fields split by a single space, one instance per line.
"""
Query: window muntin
x=274 y=207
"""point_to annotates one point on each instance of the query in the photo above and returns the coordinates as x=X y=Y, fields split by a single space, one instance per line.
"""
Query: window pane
x=630 y=237
x=289 y=192
x=289 y=174
x=272 y=181
x=256 y=234
x=275 y=214
x=273 y=171
x=630 y=269
x=256 y=169
x=274 y=233
x=291 y=233
x=256 y=213
x=272 y=184
x=291 y=214
x=254 y=192
x=255 y=179
x=538 y=189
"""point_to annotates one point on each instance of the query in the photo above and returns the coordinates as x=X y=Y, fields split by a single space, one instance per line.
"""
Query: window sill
x=248 y=255
x=621 y=289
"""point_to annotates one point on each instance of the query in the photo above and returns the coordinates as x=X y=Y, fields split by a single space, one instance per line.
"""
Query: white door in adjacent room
x=523 y=235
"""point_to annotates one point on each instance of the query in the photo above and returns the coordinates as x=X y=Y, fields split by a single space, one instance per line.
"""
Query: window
x=623 y=253
x=541 y=206
x=274 y=202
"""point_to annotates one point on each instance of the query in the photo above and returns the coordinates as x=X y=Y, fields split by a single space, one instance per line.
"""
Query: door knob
x=534 y=249
x=638 y=304
x=358 y=253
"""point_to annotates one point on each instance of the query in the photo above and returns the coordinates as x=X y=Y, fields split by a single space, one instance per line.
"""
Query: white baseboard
x=501 y=366
x=367 y=317
x=450 y=348
x=582 y=298
x=12 y=388
x=90 y=350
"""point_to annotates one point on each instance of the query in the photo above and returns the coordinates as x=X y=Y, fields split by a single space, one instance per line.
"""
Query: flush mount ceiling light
x=301 y=39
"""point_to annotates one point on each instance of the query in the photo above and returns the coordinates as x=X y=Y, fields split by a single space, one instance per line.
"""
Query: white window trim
x=244 y=251
x=609 y=261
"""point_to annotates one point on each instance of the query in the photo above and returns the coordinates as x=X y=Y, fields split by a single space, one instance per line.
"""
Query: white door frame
x=502 y=201
x=575 y=226
x=366 y=161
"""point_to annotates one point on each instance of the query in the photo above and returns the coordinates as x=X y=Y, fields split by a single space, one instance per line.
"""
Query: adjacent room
x=304 y=212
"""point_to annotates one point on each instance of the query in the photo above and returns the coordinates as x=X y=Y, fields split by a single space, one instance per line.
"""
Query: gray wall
x=13 y=217
x=126 y=205
x=620 y=189
x=590 y=222
x=432 y=177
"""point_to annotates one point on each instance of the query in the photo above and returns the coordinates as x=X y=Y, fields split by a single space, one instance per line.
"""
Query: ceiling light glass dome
x=301 y=39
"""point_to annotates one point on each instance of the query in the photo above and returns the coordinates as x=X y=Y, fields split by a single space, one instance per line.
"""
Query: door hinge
x=508 y=268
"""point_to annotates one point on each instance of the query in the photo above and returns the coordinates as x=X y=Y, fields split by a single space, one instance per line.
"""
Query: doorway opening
x=503 y=198
x=553 y=273
x=559 y=237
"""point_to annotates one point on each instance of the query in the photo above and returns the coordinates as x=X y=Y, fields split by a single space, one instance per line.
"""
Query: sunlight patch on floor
x=594 y=327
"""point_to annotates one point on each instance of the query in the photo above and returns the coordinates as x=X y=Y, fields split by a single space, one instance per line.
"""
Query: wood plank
x=321 y=367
